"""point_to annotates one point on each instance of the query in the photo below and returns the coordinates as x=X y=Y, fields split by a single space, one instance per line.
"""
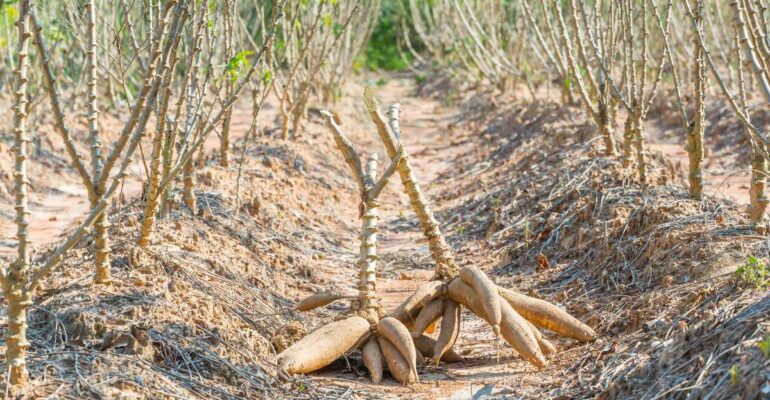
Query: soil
x=202 y=311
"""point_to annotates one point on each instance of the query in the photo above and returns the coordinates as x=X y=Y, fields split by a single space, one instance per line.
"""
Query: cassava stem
x=166 y=73
x=367 y=259
x=695 y=129
x=389 y=133
x=15 y=282
x=101 y=239
x=370 y=189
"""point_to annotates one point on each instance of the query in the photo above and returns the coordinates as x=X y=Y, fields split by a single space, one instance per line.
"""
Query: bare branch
x=385 y=178
x=348 y=150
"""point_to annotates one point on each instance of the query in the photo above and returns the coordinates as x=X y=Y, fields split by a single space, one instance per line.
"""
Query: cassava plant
x=315 y=49
x=694 y=128
x=594 y=95
x=555 y=58
x=383 y=341
x=169 y=61
x=14 y=279
x=227 y=22
x=511 y=314
x=752 y=49
x=352 y=42
x=171 y=18
x=481 y=41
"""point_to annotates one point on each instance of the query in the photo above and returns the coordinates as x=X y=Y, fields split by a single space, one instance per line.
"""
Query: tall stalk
x=758 y=139
x=101 y=239
x=367 y=260
x=370 y=188
x=758 y=200
x=166 y=75
x=15 y=279
x=224 y=150
x=696 y=128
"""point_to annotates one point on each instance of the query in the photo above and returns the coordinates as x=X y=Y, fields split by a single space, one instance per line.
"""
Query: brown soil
x=201 y=313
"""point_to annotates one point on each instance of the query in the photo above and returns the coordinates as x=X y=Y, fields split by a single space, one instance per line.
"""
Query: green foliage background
x=382 y=50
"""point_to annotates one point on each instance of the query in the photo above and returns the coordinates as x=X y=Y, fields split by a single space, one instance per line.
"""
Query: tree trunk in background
x=101 y=239
x=759 y=201
x=696 y=128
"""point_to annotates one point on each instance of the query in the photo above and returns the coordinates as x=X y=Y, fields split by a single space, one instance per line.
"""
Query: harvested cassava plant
x=469 y=286
x=392 y=340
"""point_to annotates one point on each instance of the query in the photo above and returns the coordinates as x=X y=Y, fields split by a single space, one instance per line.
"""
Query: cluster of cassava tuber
x=399 y=339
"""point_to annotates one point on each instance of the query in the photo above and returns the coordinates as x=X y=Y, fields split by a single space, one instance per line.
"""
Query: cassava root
x=450 y=328
x=319 y=300
x=397 y=365
x=397 y=334
x=546 y=315
x=425 y=344
x=373 y=359
x=487 y=290
x=324 y=345
x=427 y=317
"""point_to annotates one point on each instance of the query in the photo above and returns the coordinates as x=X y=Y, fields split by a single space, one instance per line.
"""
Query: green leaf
x=238 y=64
x=11 y=12
x=54 y=34
x=764 y=346
x=754 y=273
x=734 y=375
x=267 y=77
